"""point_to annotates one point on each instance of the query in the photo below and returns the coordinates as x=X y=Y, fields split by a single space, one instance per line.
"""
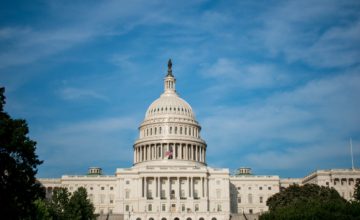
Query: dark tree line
x=312 y=202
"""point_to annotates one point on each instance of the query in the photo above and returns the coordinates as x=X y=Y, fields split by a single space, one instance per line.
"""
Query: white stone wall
x=249 y=193
x=343 y=180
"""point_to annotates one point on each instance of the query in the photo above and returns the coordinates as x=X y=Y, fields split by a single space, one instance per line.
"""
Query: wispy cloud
x=290 y=125
x=86 y=143
x=319 y=34
x=77 y=93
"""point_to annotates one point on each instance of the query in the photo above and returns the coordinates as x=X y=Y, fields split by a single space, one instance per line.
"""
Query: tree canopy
x=64 y=205
x=310 y=202
x=18 y=167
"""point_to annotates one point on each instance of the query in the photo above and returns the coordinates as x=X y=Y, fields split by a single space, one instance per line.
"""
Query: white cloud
x=76 y=93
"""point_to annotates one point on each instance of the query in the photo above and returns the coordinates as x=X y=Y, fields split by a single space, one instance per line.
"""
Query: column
x=196 y=153
x=189 y=151
x=200 y=152
x=192 y=187
x=174 y=151
x=134 y=155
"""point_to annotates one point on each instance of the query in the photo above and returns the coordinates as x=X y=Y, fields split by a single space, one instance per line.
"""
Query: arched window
x=163 y=219
x=151 y=218
x=170 y=131
x=159 y=130
x=185 y=131
x=175 y=130
x=150 y=131
x=188 y=218
x=155 y=131
x=213 y=218
x=138 y=218
x=201 y=218
x=176 y=218
x=180 y=130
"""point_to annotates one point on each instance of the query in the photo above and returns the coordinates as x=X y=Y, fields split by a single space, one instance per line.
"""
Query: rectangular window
x=182 y=194
x=261 y=199
x=183 y=207
x=163 y=207
x=149 y=207
x=127 y=208
x=239 y=199
x=250 y=211
x=163 y=194
x=196 y=194
x=219 y=208
x=196 y=207
x=149 y=194
x=127 y=194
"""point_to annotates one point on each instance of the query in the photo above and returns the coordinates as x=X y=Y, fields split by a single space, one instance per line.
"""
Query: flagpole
x=352 y=156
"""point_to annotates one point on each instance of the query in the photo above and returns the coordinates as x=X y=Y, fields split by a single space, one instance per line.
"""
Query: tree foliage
x=63 y=205
x=310 y=202
x=18 y=167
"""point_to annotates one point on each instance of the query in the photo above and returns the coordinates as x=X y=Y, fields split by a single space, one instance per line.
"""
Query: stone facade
x=170 y=180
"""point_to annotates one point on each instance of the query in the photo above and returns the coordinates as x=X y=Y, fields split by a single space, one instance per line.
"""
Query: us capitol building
x=170 y=180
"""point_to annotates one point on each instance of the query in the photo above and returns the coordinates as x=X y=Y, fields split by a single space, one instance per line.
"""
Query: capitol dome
x=169 y=130
x=169 y=105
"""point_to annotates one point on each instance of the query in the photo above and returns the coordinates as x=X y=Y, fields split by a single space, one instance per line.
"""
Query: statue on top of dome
x=169 y=68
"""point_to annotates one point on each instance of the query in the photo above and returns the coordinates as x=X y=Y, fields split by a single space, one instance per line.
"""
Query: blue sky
x=274 y=84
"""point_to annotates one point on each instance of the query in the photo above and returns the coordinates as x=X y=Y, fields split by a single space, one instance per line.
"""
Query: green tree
x=63 y=205
x=42 y=210
x=58 y=204
x=310 y=202
x=80 y=207
x=18 y=167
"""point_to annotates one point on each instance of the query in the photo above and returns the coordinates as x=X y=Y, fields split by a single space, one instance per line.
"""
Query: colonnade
x=174 y=187
x=180 y=151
